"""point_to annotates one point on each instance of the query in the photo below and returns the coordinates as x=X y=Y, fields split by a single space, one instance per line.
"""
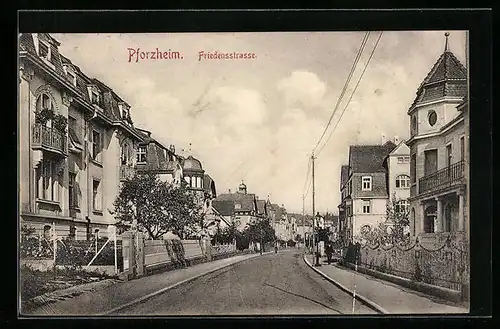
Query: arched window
x=402 y=206
x=44 y=102
x=403 y=181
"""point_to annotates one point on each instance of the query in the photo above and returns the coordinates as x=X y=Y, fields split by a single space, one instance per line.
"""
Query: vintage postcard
x=263 y=173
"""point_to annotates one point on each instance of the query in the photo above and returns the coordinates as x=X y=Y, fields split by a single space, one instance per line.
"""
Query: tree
x=228 y=234
x=393 y=230
x=260 y=229
x=157 y=207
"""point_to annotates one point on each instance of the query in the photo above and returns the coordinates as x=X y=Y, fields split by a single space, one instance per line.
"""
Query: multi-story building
x=240 y=207
x=438 y=151
x=398 y=179
x=73 y=131
x=365 y=190
x=345 y=206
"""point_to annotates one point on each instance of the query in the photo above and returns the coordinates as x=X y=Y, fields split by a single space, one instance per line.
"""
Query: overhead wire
x=346 y=84
x=352 y=94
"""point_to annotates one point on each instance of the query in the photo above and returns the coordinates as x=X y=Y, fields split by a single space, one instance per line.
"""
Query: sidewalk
x=112 y=297
x=391 y=297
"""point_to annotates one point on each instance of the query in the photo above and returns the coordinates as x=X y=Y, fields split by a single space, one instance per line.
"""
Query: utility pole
x=303 y=220
x=314 y=212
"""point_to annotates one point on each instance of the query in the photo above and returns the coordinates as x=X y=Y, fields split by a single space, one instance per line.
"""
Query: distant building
x=439 y=152
x=365 y=192
x=240 y=207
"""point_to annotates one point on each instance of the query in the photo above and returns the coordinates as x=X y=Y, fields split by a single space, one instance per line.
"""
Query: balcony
x=49 y=139
x=443 y=178
x=126 y=172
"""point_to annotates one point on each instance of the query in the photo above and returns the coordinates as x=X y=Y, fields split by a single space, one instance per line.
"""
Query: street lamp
x=316 y=225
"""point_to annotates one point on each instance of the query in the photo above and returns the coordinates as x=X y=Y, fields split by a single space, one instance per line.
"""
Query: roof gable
x=247 y=201
x=401 y=149
x=369 y=158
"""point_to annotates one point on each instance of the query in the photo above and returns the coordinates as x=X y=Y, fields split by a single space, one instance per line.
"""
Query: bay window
x=47 y=181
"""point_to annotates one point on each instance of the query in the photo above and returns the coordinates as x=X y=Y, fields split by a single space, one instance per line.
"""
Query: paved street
x=279 y=284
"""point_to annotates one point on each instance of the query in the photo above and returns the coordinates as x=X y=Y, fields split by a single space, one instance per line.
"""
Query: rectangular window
x=47 y=180
x=43 y=50
x=96 y=195
x=366 y=182
x=72 y=191
x=141 y=154
x=403 y=159
x=366 y=206
x=462 y=148
x=72 y=78
x=73 y=129
x=96 y=145
x=413 y=168
x=449 y=155
x=95 y=97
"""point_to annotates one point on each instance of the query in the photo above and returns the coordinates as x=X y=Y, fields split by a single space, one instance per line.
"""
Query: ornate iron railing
x=442 y=178
x=126 y=172
x=49 y=138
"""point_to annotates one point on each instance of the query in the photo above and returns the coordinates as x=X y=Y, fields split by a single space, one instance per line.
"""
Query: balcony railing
x=126 y=172
x=50 y=139
x=442 y=178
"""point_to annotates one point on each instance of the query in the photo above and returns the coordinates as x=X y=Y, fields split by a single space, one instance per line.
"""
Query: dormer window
x=72 y=78
x=44 y=50
x=94 y=97
x=125 y=113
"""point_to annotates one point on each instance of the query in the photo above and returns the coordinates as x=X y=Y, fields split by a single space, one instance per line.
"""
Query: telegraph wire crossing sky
x=258 y=119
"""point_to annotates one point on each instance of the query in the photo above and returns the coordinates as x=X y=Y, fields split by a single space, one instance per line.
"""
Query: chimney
x=396 y=140
x=383 y=139
x=172 y=148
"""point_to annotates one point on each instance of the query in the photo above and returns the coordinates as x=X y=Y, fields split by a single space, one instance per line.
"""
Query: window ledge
x=96 y=162
x=97 y=212
x=54 y=203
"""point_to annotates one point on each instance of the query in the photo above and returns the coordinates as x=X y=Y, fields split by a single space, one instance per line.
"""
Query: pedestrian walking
x=329 y=252
x=276 y=247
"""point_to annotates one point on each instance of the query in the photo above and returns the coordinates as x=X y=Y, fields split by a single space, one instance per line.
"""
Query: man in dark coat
x=329 y=252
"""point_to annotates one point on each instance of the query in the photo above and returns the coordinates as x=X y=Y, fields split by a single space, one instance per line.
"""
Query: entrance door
x=430 y=216
x=430 y=164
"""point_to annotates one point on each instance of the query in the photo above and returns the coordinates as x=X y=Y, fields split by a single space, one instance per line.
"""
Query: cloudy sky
x=258 y=120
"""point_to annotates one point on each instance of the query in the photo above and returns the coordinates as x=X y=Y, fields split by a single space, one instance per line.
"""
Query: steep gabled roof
x=261 y=207
x=369 y=158
x=344 y=175
x=247 y=201
x=225 y=208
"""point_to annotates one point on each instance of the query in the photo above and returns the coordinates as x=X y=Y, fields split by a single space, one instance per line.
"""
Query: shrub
x=60 y=123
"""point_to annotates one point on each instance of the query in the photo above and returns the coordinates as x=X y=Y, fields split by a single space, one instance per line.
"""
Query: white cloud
x=303 y=89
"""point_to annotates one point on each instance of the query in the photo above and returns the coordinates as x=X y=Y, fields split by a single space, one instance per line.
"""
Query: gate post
x=128 y=254
x=138 y=254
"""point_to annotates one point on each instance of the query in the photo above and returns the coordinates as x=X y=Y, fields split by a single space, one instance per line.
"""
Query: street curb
x=141 y=299
x=364 y=300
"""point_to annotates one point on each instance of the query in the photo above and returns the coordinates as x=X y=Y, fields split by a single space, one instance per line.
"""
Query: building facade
x=240 y=207
x=365 y=190
x=71 y=130
x=438 y=149
x=398 y=180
